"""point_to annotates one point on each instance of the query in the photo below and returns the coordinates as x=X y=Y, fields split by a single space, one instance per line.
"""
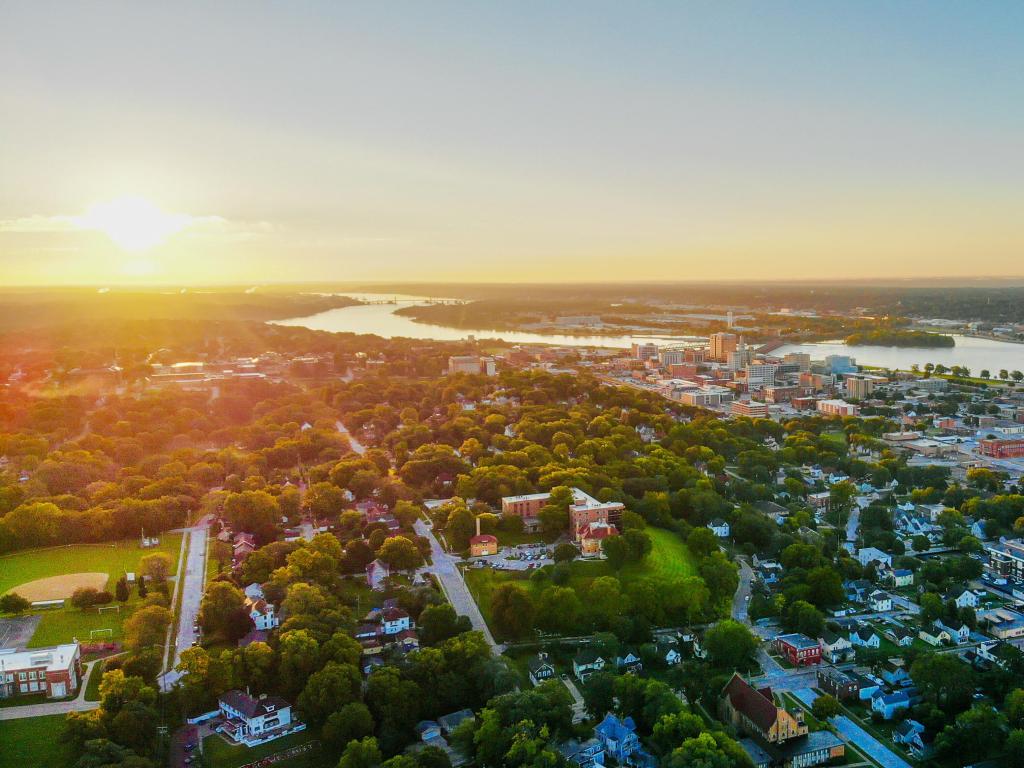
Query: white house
x=395 y=620
x=262 y=613
x=377 y=574
x=963 y=597
x=864 y=636
x=888 y=704
x=867 y=555
x=880 y=601
x=956 y=634
x=902 y=577
x=719 y=527
x=252 y=721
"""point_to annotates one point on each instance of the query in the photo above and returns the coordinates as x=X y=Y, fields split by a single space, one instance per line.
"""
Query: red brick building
x=55 y=672
x=799 y=649
x=1002 y=449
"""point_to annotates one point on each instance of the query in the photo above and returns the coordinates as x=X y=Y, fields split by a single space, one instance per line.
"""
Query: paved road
x=454 y=585
x=851 y=732
x=356 y=445
x=740 y=599
x=853 y=523
x=193 y=584
x=78 y=704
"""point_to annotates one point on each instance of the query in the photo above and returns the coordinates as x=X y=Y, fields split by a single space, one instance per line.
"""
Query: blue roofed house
x=888 y=704
x=618 y=737
x=902 y=577
x=629 y=661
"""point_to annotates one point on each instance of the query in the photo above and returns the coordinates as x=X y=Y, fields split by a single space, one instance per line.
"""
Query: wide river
x=380 y=319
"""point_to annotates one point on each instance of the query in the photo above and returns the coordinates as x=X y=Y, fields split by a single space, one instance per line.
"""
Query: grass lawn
x=113 y=559
x=669 y=558
x=92 y=685
x=220 y=754
x=34 y=741
x=836 y=437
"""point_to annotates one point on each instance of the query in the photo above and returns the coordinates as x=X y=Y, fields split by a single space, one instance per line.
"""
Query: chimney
x=478 y=525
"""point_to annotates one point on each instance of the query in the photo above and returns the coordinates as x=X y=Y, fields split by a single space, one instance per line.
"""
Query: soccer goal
x=94 y=633
x=115 y=608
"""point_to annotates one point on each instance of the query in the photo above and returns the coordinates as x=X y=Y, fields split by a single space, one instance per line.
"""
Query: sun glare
x=133 y=223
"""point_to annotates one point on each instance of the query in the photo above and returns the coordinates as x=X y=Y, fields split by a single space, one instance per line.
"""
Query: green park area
x=219 y=754
x=65 y=569
x=669 y=558
x=34 y=741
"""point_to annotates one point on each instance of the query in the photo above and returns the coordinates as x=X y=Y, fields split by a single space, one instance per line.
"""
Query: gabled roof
x=757 y=705
x=250 y=707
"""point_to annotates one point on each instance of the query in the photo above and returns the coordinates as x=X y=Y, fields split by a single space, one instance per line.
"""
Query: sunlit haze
x=201 y=143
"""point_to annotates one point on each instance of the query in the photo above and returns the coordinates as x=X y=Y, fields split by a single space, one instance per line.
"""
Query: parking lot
x=523 y=557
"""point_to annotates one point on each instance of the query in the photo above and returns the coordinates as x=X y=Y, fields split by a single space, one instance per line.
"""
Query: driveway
x=579 y=708
x=454 y=585
x=78 y=704
x=193 y=585
x=860 y=738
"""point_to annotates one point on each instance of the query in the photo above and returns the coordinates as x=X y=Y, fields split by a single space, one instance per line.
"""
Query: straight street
x=192 y=585
x=741 y=599
x=454 y=585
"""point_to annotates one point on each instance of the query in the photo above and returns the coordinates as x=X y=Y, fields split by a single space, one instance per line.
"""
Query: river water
x=380 y=319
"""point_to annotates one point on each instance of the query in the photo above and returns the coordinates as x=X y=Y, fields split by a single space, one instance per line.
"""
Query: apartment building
x=837 y=408
x=751 y=408
x=721 y=345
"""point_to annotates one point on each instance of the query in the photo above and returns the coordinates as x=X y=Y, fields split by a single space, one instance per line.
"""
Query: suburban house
x=956 y=634
x=799 y=649
x=905 y=732
x=618 y=737
x=935 y=635
x=252 y=721
x=754 y=712
x=428 y=730
x=587 y=662
x=902 y=577
x=541 y=668
x=894 y=672
x=629 y=661
x=669 y=653
x=377 y=574
x=395 y=620
x=866 y=686
x=888 y=704
x=867 y=555
x=880 y=601
x=55 y=671
x=899 y=636
x=584 y=754
x=963 y=597
x=453 y=720
x=719 y=527
x=864 y=636
x=262 y=613
x=244 y=544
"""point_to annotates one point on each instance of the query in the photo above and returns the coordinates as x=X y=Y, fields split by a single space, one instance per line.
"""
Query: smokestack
x=478 y=525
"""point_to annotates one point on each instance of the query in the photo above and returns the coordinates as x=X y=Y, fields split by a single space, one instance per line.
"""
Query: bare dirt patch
x=57 y=587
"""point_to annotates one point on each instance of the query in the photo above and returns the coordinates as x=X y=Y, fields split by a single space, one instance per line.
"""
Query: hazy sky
x=249 y=142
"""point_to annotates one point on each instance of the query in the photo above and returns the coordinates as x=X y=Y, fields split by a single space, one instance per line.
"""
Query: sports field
x=113 y=559
x=59 y=570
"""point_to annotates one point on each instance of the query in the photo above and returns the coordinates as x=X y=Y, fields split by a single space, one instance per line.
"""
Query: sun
x=133 y=223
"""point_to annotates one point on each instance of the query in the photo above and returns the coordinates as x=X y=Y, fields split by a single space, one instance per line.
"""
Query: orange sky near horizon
x=191 y=144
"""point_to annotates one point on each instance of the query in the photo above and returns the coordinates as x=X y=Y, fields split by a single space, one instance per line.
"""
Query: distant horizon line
x=879 y=282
